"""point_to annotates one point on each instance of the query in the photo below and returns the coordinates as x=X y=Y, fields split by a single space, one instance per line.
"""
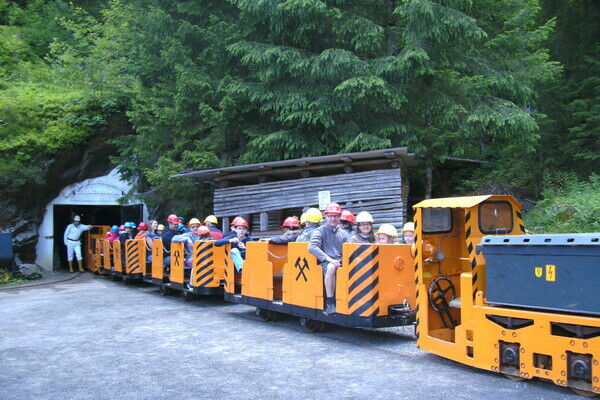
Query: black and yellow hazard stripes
x=203 y=268
x=476 y=262
x=363 y=281
x=135 y=260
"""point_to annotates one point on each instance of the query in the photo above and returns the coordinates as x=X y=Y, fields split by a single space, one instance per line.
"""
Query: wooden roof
x=306 y=167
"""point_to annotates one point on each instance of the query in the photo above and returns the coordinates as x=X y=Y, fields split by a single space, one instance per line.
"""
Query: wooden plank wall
x=381 y=192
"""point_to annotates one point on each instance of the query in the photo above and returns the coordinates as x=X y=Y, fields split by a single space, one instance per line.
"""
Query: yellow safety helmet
x=314 y=215
x=409 y=226
x=387 y=229
x=212 y=219
x=194 y=221
x=303 y=218
x=364 y=216
x=160 y=227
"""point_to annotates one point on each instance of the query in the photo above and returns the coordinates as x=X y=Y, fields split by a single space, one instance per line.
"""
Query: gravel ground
x=91 y=338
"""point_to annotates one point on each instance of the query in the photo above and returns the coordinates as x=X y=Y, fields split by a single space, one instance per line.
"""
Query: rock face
x=23 y=210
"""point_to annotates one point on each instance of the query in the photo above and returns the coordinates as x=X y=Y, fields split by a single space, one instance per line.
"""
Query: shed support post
x=264 y=221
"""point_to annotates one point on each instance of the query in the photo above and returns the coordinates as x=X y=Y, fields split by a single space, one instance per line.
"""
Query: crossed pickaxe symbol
x=302 y=267
x=177 y=255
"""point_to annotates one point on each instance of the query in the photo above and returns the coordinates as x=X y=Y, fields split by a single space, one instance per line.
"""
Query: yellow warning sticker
x=551 y=273
x=539 y=271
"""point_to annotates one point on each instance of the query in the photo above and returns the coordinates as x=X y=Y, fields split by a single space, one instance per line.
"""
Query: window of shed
x=437 y=220
x=495 y=217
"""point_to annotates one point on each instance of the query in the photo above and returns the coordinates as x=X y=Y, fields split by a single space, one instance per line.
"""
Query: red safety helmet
x=143 y=226
x=122 y=227
x=348 y=217
x=203 y=230
x=291 y=222
x=173 y=218
x=239 y=221
x=333 y=208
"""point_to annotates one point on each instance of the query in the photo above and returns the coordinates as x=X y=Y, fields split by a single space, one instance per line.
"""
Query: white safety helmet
x=364 y=216
x=387 y=229
x=77 y=218
x=409 y=226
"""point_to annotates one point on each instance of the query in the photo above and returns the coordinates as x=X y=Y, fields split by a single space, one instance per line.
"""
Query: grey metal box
x=558 y=272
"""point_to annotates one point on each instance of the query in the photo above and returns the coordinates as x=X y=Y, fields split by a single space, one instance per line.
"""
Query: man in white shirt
x=72 y=239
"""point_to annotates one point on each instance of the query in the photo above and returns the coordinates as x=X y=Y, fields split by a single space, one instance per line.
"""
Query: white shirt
x=74 y=233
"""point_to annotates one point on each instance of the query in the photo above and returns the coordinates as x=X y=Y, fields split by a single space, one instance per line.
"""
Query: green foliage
x=208 y=84
x=44 y=109
x=569 y=205
x=584 y=143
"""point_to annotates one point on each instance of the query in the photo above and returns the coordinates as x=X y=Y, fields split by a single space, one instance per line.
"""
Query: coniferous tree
x=443 y=77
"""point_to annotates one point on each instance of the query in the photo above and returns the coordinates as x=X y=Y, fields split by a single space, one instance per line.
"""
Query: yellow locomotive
x=492 y=297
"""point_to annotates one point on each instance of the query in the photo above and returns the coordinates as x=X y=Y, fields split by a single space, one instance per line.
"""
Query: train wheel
x=126 y=280
x=312 y=326
x=583 y=393
x=164 y=290
x=187 y=296
x=514 y=377
x=266 y=315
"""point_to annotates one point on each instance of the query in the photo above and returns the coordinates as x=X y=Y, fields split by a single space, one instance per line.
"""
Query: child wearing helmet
x=181 y=228
x=167 y=236
x=387 y=234
x=113 y=234
x=408 y=233
x=142 y=230
x=211 y=223
x=291 y=231
x=312 y=218
x=189 y=238
x=347 y=222
x=160 y=229
x=364 y=229
x=237 y=238
x=326 y=244
x=127 y=235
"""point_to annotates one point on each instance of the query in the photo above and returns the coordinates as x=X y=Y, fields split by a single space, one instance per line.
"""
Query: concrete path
x=91 y=338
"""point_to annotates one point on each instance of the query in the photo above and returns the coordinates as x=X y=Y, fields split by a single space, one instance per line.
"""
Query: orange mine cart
x=207 y=270
x=135 y=258
x=176 y=276
x=99 y=256
x=157 y=276
x=497 y=301
x=92 y=255
x=107 y=263
x=117 y=271
x=375 y=286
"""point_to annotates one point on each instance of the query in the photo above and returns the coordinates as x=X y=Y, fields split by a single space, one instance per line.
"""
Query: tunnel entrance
x=90 y=215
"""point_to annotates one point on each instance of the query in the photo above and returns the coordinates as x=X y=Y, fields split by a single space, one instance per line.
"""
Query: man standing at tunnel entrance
x=72 y=239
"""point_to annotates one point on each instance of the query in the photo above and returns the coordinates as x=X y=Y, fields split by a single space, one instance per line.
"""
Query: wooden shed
x=265 y=194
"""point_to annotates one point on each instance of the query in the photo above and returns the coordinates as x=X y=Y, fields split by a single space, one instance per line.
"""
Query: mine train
x=478 y=289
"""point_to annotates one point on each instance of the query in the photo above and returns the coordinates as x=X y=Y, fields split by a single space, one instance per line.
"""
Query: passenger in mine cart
x=237 y=238
x=326 y=244
x=196 y=233
x=387 y=234
x=312 y=218
x=408 y=233
x=291 y=231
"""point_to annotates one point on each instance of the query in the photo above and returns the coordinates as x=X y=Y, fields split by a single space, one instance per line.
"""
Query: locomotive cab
x=494 y=298
x=448 y=268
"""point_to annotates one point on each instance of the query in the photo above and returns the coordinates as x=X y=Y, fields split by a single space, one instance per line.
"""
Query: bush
x=570 y=205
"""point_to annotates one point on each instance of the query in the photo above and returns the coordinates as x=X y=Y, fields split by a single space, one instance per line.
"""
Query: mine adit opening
x=90 y=215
